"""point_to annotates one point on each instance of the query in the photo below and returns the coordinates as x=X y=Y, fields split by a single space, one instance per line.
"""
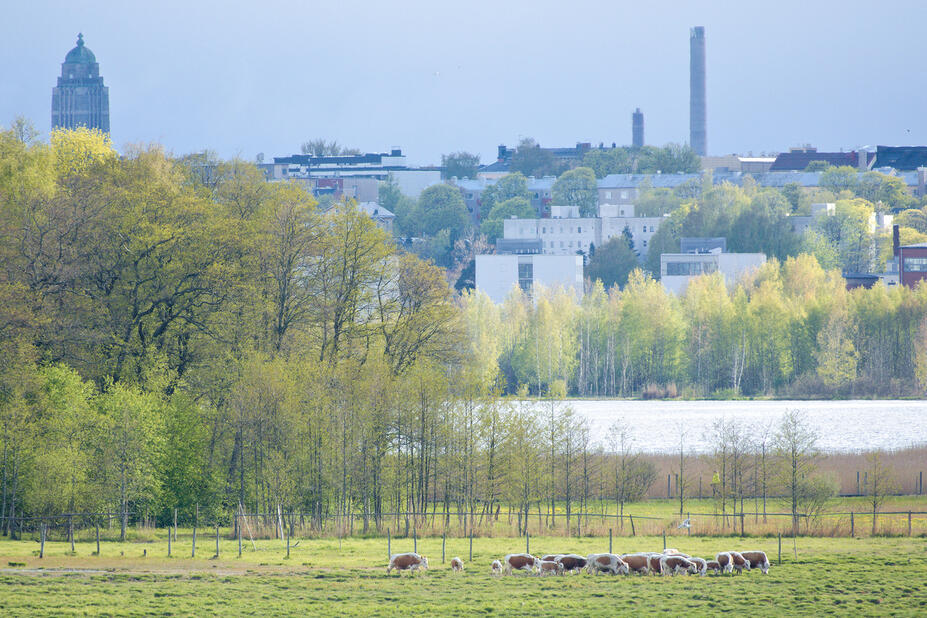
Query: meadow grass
x=867 y=575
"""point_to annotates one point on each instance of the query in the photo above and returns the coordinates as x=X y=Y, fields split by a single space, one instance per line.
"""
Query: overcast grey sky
x=436 y=77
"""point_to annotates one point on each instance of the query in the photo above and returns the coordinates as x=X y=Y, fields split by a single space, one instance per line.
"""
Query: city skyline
x=244 y=80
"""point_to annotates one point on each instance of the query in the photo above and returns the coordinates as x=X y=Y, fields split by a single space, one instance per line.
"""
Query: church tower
x=80 y=99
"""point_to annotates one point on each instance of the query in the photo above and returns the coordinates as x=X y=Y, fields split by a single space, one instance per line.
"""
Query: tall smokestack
x=637 y=128
x=698 y=130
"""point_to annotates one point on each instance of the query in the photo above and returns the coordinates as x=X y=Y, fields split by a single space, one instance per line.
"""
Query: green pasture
x=868 y=576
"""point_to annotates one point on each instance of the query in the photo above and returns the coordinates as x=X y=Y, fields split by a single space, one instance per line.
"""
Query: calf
x=637 y=563
x=608 y=563
x=674 y=563
x=713 y=565
x=757 y=560
x=520 y=562
x=495 y=568
x=572 y=562
x=701 y=565
x=550 y=567
x=731 y=561
x=456 y=564
x=407 y=562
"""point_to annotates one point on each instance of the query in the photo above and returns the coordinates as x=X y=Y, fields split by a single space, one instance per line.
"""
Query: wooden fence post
x=609 y=540
x=71 y=531
x=689 y=527
x=527 y=542
x=668 y=494
x=169 y=541
x=238 y=528
x=471 y=546
x=287 y=532
x=858 y=493
x=852 y=525
x=414 y=540
x=631 y=519
x=389 y=551
x=42 y=546
x=98 y=538
x=664 y=540
x=780 y=549
x=909 y=523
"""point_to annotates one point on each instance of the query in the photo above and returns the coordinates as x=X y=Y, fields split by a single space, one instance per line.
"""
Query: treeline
x=789 y=329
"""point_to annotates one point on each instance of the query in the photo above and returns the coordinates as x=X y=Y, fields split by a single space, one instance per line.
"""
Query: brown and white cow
x=757 y=560
x=732 y=561
x=519 y=562
x=637 y=563
x=701 y=565
x=713 y=565
x=456 y=564
x=550 y=567
x=572 y=562
x=409 y=561
x=606 y=563
x=656 y=568
x=672 y=551
x=495 y=568
x=672 y=564
x=551 y=556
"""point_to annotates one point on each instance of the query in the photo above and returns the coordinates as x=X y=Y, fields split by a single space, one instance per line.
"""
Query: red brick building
x=912 y=264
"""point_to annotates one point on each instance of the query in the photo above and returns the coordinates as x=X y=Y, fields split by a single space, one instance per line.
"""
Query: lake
x=841 y=425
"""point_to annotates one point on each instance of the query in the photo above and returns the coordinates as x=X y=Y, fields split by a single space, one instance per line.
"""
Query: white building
x=677 y=269
x=566 y=233
x=496 y=275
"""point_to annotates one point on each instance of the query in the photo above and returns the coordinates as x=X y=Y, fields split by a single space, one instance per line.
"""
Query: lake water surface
x=841 y=425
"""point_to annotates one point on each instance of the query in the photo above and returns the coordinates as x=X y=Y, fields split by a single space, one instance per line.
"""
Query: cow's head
x=424 y=562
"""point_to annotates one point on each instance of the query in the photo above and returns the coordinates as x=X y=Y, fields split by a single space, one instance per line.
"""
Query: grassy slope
x=842 y=575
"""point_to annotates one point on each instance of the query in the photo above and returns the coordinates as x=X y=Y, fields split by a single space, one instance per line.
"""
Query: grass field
x=861 y=576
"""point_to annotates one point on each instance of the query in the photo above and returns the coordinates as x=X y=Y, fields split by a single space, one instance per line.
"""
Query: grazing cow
x=671 y=564
x=732 y=561
x=550 y=567
x=656 y=566
x=456 y=564
x=713 y=565
x=520 y=562
x=701 y=565
x=572 y=562
x=608 y=563
x=671 y=551
x=407 y=562
x=551 y=556
x=637 y=563
x=757 y=560
x=495 y=568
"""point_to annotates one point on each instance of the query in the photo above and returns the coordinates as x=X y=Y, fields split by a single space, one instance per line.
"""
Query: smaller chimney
x=921 y=181
x=862 y=161
x=896 y=241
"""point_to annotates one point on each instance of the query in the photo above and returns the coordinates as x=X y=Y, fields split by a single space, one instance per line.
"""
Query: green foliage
x=612 y=262
x=508 y=187
x=492 y=225
x=837 y=179
x=442 y=208
x=460 y=165
x=670 y=159
x=577 y=187
x=817 y=166
x=531 y=160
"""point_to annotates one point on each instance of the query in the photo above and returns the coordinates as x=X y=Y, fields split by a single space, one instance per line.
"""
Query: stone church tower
x=81 y=99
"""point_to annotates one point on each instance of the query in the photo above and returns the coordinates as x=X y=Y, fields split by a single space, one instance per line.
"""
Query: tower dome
x=80 y=54
x=80 y=98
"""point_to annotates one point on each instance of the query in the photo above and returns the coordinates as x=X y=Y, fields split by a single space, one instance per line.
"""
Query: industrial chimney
x=637 y=128
x=698 y=130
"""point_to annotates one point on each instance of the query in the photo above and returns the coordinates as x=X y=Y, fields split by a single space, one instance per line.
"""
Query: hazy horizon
x=247 y=79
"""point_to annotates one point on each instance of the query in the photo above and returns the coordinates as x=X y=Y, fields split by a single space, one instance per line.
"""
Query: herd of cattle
x=668 y=562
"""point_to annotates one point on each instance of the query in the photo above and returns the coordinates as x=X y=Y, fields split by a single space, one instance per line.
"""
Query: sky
x=438 y=77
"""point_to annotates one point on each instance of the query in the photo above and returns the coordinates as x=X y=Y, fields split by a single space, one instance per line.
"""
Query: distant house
x=381 y=216
x=678 y=269
x=497 y=275
x=797 y=159
x=912 y=264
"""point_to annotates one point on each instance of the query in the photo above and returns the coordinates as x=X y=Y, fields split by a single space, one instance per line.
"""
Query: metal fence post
x=471 y=546
x=780 y=549
x=389 y=551
x=609 y=540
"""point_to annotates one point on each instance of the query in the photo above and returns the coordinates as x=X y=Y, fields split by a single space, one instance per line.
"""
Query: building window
x=915 y=265
x=608 y=195
x=690 y=269
x=536 y=196
x=525 y=275
x=579 y=230
x=561 y=244
x=645 y=243
x=624 y=195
